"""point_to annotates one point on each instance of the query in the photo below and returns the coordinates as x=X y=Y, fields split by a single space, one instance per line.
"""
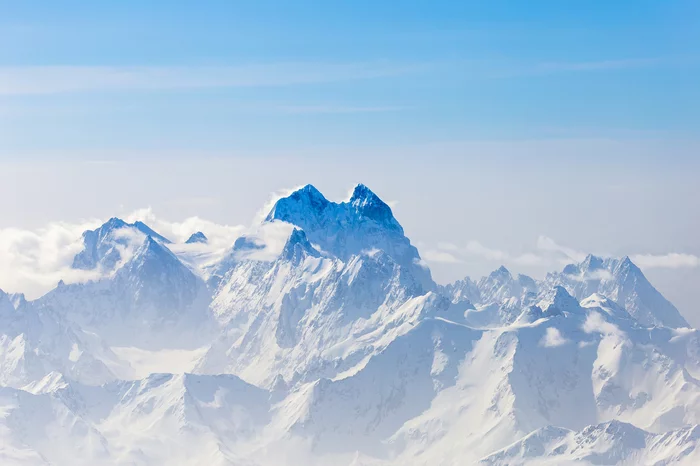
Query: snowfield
x=335 y=346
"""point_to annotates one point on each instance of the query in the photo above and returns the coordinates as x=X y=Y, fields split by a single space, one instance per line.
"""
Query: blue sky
x=491 y=123
x=218 y=76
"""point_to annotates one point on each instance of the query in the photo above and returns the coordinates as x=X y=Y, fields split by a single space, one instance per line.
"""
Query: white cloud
x=447 y=246
x=529 y=259
x=218 y=236
x=553 y=338
x=392 y=204
x=444 y=257
x=34 y=261
x=262 y=213
x=549 y=254
x=592 y=275
x=477 y=249
x=595 y=323
x=545 y=243
x=273 y=236
x=666 y=261
x=451 y=253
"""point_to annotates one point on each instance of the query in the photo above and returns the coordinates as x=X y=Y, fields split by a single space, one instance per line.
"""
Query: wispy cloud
x=34 y=261
x=70 y=79
x=451 y=253
x=545 y=243
x=600 y=65
x=332 y=109
x=547 y=253
x=219 y=236
x=441 y=257
x=545 y=68
x=57 y=79
x=666 y=261
x=477 y=249
x=553 y=338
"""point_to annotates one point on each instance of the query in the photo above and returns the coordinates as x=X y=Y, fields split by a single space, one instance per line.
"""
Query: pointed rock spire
x=621 y=280
x=369 y=205
x=148 y=231
x=197 y=237
x=101 y=245
x=558 y=301
x=6 y=306
x=501 y=272
x=298 y=247
x=345 y=229
x=303 y=207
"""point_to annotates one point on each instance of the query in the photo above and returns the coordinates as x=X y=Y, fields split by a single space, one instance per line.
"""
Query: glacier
x=320 y=337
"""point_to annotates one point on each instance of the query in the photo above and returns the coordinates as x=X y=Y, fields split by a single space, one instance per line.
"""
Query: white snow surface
x=320 y=338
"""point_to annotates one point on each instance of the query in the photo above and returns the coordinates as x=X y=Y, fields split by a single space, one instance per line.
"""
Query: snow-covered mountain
x=151 y=298
x=501 y=297
x=34 y=343
x=197 y=237
x=321 y=308
x=623 y=282
x=105 y=246
x=335 y=346
x=611 y=442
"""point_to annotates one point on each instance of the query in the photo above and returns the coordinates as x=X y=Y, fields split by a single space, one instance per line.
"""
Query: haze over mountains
x=335 y=346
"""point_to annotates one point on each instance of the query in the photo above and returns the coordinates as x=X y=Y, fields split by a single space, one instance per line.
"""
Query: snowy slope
x=501 y=296
x=320 y=338
x=320 y=308
x=623 y=282
x=572 y=367
x=165 y=418
x=612 y=442
x=34 y=344
x=107 y=245
x=151 y=300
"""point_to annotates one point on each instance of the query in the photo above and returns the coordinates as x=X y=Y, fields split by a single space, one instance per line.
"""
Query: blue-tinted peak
x=627 y=262
x=561 y=301
x=99 y=244
x=301 y=203
x=310 y=189
x=363 y=193
x=146 y=230
x=114 y=223
x=501 y=272
x=153 y=251
x=298 y=246
x=369 y=205
x=197 y=237
x=592 y=262
x=561 y=293
x=150 y=246
x=109 y=226
x=246 y=243
x=310 y=194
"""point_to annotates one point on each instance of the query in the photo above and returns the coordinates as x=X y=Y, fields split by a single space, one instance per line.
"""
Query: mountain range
x=336 y=346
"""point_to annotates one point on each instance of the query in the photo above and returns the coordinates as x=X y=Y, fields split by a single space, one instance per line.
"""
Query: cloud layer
x=547 y=253
x=30 y=80
x=34 y=261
